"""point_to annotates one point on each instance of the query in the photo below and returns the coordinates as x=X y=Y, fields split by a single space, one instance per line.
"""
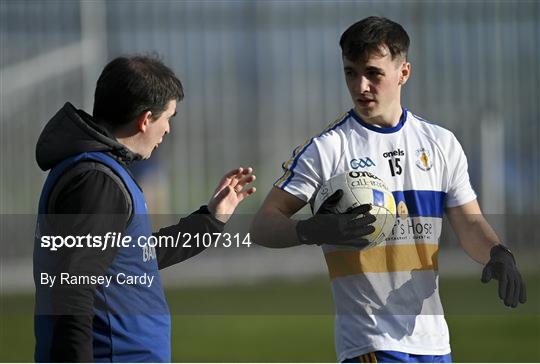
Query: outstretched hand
x=502 y=267
x=231 y=190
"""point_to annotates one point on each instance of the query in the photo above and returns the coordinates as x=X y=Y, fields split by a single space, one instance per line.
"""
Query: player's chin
x=366 y=110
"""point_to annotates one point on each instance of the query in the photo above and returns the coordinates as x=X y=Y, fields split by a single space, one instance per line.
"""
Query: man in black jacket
x=84 y=311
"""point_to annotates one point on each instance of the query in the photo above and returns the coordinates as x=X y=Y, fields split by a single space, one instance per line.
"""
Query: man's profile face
x=375 y=84
x=157 y=129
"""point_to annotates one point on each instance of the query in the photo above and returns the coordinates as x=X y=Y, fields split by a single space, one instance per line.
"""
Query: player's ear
x=143 y=120
x=405 y=72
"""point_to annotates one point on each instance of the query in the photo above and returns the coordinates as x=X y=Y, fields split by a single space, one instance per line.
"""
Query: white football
x=361 y=188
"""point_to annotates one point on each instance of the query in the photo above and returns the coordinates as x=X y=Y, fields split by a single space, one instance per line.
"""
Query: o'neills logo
x=355 y=174
x=423 y=159
x=394 y=153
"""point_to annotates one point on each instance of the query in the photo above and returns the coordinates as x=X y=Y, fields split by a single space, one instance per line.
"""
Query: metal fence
x=260 y=77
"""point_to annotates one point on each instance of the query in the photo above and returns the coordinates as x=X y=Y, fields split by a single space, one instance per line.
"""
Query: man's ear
x=143 y=120
x=405 y=73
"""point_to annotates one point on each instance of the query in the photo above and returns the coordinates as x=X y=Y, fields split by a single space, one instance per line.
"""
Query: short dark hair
x=367 y=36
x=131 y=85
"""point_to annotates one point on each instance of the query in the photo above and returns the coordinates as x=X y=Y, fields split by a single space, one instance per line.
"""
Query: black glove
x=337 y=229
x=502 y=267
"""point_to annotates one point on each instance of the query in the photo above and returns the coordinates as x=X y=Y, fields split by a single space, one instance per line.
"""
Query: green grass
x=250 y=338
x=495 y=338
x=293 y=321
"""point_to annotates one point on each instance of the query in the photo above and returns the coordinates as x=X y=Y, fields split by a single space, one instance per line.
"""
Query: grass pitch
x=293 y=322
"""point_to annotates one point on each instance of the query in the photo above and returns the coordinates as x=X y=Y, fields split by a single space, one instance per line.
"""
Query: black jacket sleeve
x=91 y=203
x=199 y=222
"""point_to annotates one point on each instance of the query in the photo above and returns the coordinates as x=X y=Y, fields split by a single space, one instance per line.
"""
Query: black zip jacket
x=87 y=196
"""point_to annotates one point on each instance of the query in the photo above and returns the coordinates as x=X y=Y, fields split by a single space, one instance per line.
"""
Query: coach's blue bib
x=131 y=320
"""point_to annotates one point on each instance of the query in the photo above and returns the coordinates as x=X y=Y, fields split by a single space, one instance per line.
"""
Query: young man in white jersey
x=386 y=297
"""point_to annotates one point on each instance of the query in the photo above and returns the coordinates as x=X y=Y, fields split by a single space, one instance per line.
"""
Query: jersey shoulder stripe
x=289 y=165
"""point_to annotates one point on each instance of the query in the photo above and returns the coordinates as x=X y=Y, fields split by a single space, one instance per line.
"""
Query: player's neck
x=387 y=119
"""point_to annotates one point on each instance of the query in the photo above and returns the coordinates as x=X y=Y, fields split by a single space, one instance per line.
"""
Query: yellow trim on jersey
x=380 y=259
x=367 y=358
x=283 y=178
x=301 y=147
